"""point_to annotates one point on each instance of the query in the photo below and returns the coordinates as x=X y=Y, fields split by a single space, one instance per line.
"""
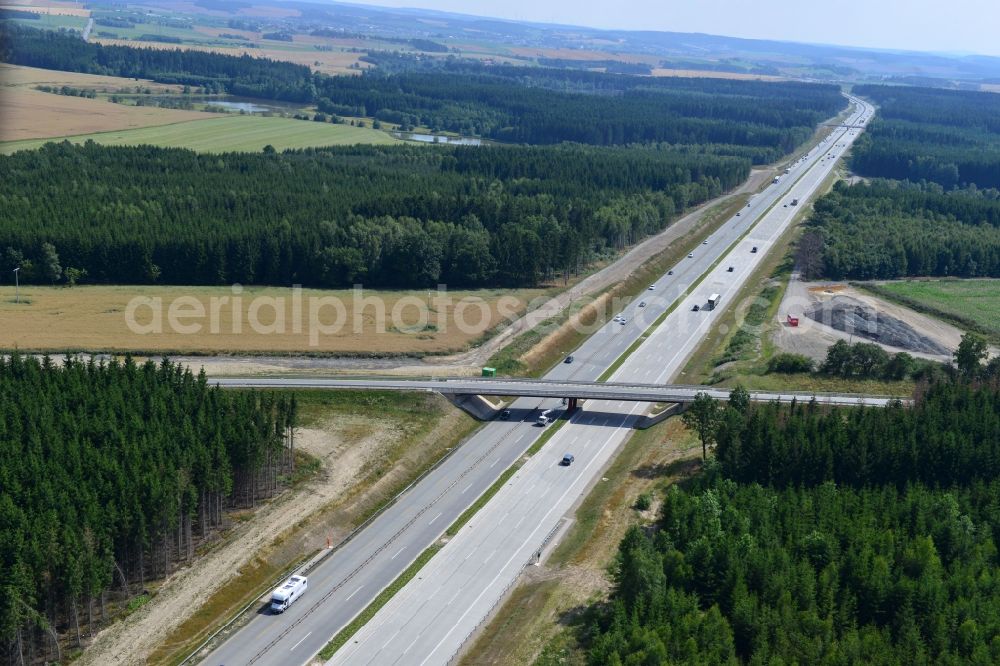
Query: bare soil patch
x=849 y=315
x=812 y=338
x=354 y=450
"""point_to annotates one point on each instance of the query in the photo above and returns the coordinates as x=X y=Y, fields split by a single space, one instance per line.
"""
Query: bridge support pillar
x=476 y=406
x=571 y=405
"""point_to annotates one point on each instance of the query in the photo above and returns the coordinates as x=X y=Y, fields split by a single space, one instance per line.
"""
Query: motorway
x=429 y=620
x=544 y=388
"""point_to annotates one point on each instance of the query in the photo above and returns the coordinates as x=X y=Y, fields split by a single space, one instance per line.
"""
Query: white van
x=288 y=593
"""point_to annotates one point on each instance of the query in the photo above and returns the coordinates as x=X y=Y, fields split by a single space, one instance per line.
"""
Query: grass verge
x=548 y=344
x=535 y=624
x=738 y=349
x=424 y=429
x=969 y=304
x=369 y=612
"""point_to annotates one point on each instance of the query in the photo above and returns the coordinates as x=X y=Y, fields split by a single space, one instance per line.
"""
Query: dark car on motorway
x=568 y=359
x=567 y=460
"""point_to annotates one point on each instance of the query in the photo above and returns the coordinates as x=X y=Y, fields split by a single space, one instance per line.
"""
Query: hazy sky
x=962 y=26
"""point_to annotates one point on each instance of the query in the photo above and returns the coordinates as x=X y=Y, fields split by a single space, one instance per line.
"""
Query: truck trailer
x=288 y=593
x=713 y=300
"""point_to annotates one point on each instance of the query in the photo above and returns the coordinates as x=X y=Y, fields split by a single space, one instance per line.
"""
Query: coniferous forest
x=390 y=216
x=932 y=207
x=111 y=475
x=763 y=120
x=821 y=537
x=405 y=216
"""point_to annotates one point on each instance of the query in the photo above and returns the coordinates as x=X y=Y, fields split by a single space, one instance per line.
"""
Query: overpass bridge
x=572 y=391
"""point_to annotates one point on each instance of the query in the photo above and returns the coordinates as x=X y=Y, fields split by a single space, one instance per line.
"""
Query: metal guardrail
x=535 y=557
x=385 y=545
x=311 y=565
x=631 y=392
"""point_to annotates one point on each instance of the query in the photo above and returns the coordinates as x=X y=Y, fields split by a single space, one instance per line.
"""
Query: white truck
x=713 y=300
x=288 y=593
x=545 y=418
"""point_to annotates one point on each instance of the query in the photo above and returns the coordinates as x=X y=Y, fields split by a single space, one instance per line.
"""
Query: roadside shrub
x=643 y=502
x=790 y=364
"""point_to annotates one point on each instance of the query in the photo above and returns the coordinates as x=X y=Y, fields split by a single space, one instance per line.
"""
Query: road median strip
x=360 y=620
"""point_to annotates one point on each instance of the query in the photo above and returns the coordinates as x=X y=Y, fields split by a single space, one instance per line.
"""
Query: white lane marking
x=386 y=644
x=455 y=596
x=300 y=641
x=489 y=557
x=397 y=553
x=494 y=463
x=519 y=522
x=411 y=644
x=466 y=488
x=353 y=593
x=435 y=518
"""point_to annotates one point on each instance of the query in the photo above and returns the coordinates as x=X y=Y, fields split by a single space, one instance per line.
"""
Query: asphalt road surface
x=429 y=620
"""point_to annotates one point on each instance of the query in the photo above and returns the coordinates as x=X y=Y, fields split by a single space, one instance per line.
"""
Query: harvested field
x=710 y=74
x=35 y=117
x=330 y=62
x=251 y=320
x=577 y=54
x=50 y=8
x=16 y=75
x=216 y=134
x=26 y=113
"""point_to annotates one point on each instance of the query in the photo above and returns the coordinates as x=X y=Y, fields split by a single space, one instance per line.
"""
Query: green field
x=222 y=134
x=976 y=301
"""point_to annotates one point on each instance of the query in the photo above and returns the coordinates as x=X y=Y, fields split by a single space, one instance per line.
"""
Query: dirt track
x=469 y=362
x=134 y=639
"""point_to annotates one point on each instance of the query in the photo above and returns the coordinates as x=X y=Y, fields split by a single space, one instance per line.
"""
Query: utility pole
x=17 y=286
